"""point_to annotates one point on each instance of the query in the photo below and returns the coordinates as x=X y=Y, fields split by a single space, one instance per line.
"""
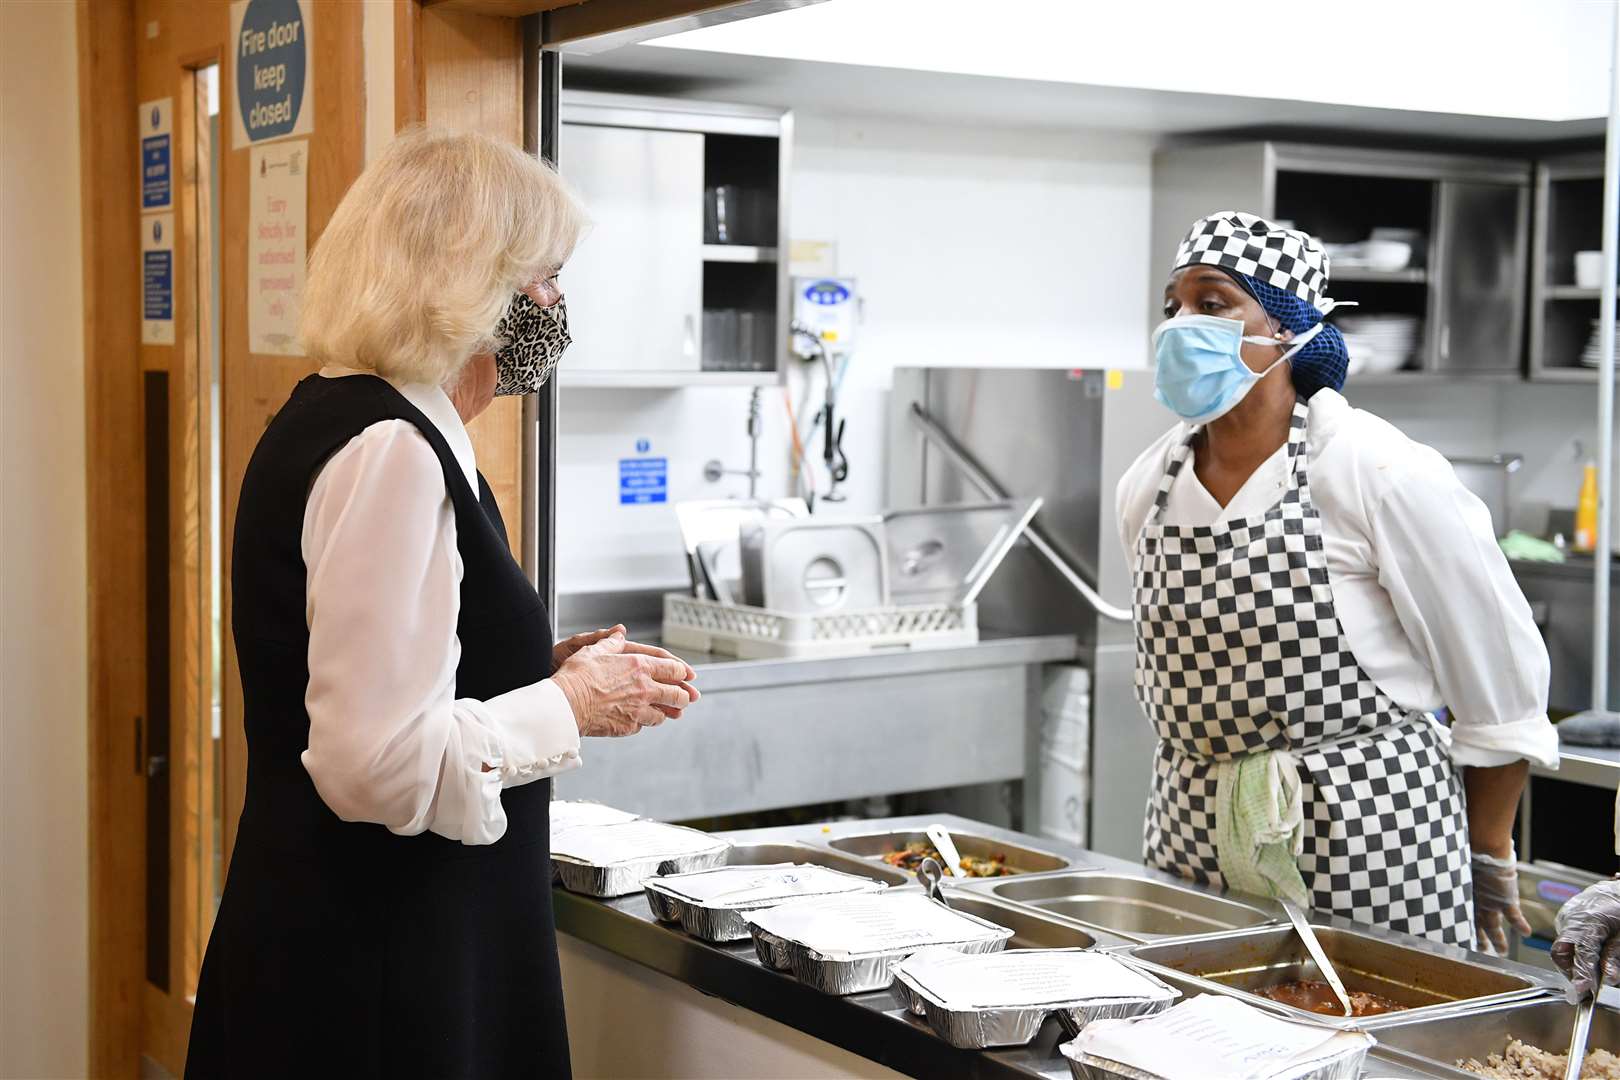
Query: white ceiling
x=1486 y=70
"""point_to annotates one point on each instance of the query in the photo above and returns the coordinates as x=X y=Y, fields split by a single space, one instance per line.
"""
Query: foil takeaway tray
x=1430 y=979
x=613 y=860
x=850 y=945
x=766 y=854
x=977 y=1025
x=1437 y=1045
x=1020 y=858
x=1137 y=908
x=1087 y=1063
x=691 y=899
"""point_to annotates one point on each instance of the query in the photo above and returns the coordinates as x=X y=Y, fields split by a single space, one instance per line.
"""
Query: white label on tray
x=1012 y=979
x=859 y=925
x=570 y=815
x=738 y=886
x=603 y=845
x=1218 y=1038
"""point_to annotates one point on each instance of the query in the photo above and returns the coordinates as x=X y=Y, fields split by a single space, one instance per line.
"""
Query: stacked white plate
x=1378 y=344
x=1592 y=356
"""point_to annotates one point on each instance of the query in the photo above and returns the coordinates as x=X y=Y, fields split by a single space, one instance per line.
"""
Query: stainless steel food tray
x=718 y=920
x=1437 y=1045
x=621 y=877
x=1429 y=978
x=1021 y=859
x=837 y=971
x=1033 y=929
x=1136 y=907
x=970 y=1028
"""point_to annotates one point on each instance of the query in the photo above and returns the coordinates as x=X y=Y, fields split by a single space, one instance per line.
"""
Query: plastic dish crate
x=752 y=633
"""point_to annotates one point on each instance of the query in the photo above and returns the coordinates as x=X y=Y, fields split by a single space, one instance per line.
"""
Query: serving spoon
x=947 y=849
x=1302 y=927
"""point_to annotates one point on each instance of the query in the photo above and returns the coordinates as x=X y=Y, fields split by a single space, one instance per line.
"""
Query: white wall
x=43 y=837
x=1553 y=426
x=972 y=246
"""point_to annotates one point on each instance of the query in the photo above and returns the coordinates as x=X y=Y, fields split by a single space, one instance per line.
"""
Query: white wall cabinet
x=635 y=283
x=657 y=297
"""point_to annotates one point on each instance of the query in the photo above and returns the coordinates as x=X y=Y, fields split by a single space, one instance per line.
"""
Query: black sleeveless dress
x=341 y=949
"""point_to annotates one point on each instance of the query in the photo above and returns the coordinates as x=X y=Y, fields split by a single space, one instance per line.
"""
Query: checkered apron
x=1239 y=650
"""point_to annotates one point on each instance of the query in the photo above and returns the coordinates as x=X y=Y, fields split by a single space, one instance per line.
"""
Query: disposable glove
x=1496 y=901
x=1588 y=932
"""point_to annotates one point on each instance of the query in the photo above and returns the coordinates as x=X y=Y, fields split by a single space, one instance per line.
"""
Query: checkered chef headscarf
x=1286 y=271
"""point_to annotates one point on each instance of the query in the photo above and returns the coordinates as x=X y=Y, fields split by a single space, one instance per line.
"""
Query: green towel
x=1527 y=548
x=1260 y=825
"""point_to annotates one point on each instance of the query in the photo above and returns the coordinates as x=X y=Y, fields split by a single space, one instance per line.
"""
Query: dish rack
x=752 y=633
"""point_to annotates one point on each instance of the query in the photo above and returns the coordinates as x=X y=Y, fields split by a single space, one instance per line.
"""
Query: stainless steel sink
x=1020 y=859
x=1031 y=929
x=769 y=854
x=1137 y=908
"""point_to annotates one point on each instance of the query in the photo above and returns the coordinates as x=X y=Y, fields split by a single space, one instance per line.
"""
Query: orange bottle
x=1586 y=511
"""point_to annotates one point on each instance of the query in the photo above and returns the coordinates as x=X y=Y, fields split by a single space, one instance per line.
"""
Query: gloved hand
x=1589 y=935
x=1496 y=901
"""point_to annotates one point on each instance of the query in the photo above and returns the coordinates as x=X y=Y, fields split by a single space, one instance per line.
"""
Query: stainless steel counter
x=718 y=673
x=874 y=1026
x=794 y=732
x=1594 y=766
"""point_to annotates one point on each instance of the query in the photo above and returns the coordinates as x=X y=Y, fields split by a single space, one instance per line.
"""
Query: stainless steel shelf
x=1410 y=276
x=664 y=380
x=1571 y=292
x=738 y=253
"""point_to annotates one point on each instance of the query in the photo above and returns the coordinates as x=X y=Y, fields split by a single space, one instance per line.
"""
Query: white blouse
x=389 y=741
x=1428 y=603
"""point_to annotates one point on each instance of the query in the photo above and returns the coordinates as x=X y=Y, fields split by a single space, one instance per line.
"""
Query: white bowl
x=1589 y=269
x=1386 y=255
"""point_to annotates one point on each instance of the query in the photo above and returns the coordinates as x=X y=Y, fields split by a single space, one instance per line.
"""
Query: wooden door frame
x=110 y=221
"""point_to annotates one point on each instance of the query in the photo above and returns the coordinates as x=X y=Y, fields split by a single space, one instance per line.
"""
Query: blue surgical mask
x=1201 y=375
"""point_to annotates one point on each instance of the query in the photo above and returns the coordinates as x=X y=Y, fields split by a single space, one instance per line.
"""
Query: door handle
x=157 y=763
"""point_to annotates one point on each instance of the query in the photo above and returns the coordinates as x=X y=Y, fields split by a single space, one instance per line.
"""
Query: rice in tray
x=1521 y=1061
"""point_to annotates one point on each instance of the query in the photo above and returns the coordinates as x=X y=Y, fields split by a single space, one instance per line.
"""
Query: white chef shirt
x=389 y=741
x=1429 y=606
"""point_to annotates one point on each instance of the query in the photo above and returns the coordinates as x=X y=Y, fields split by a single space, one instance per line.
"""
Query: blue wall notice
x=643 y=481
x=158 y=286
x=157 y=174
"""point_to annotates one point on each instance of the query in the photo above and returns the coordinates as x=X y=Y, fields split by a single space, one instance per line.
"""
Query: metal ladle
x=1302 y=927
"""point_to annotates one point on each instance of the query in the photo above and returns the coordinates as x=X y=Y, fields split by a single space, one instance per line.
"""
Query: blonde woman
x=388 y=909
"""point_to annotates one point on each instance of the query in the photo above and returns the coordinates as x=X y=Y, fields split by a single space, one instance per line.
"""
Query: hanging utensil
x=1303 y=928
x=947 y=848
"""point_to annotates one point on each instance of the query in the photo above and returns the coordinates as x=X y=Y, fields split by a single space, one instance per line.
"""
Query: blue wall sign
x=157 y=182
x=643 y=481
x=826 y=292
x=157 y=279
x=271 y=39
x=643 y=445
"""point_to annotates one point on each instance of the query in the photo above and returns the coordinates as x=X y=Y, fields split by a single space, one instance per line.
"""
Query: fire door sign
x=274 y=59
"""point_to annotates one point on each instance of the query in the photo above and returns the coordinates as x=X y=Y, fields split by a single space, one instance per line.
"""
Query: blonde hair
x=421 y=257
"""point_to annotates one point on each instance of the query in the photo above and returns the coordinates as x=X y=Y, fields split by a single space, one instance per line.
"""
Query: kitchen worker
x=388 y=908
x=1309 y=586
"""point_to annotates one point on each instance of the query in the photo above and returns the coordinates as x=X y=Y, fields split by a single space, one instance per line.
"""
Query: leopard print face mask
x=535 y=338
